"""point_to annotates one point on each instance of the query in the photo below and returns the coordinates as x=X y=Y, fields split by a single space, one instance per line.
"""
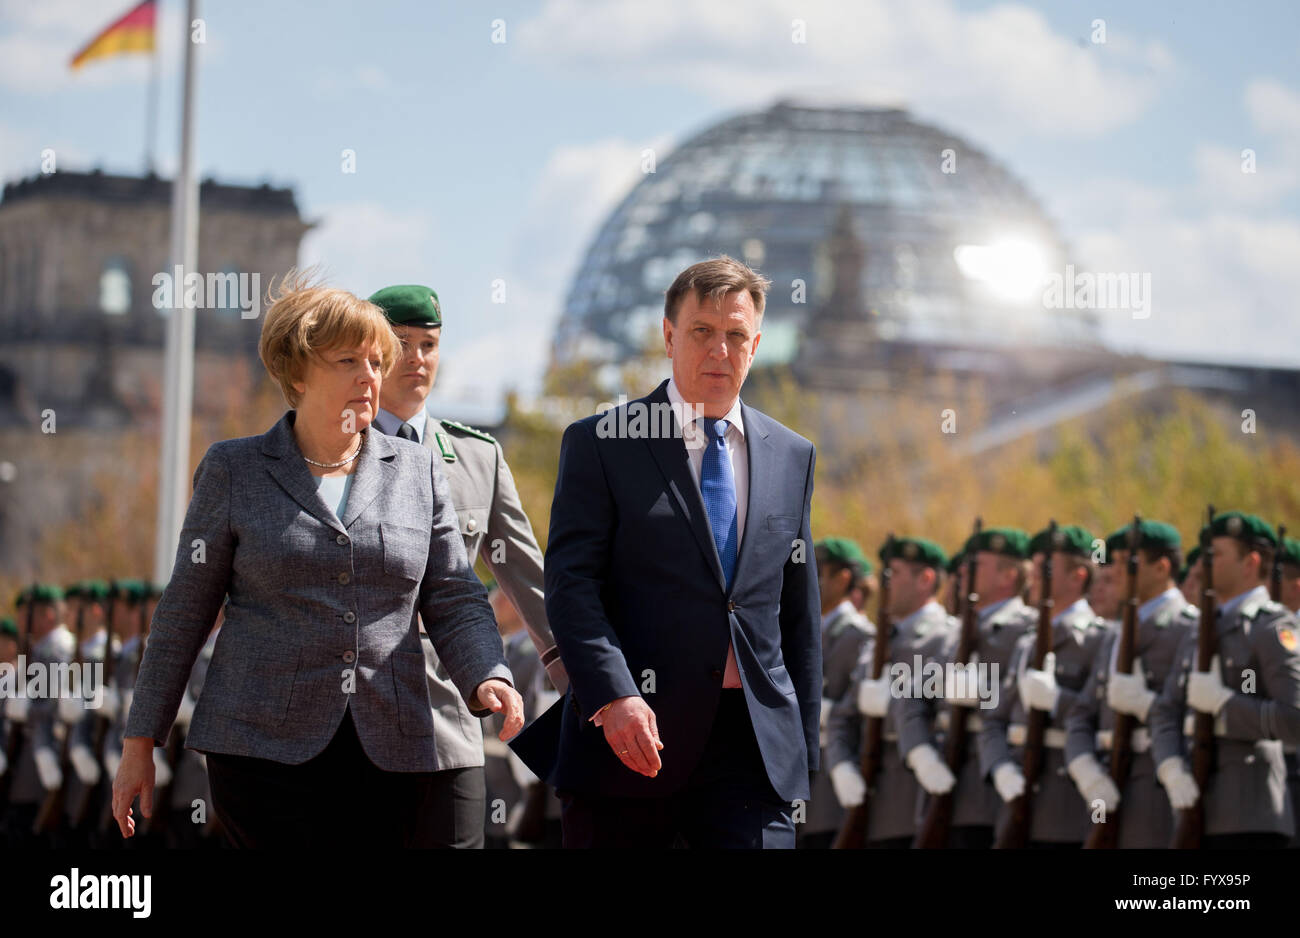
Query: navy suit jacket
x=637 y=600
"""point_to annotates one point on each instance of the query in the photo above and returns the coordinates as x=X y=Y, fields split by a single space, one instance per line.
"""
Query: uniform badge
x=1287 y=638
x=911 y=551
x=434 y=300
x=1058 y=539
x=1234 y=526
x=997 y=542
x=444 y=446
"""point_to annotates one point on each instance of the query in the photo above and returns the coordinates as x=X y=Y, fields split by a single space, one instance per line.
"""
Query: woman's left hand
x=498 y=696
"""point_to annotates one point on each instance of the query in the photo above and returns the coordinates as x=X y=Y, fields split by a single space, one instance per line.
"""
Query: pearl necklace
x=334 y=465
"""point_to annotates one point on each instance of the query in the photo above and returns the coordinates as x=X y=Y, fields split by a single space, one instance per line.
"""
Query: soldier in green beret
x=495 y=529
x=1059 y=815
x=37 y=771
x=1106 y=594
x=81 y=715
x=919 y=633
x=1001 y=575
x=841 y=564
x=1252 y=689
x=1164 y=620
x=955 y=582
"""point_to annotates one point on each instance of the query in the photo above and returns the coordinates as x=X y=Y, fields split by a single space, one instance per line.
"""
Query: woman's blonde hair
x=304 y=318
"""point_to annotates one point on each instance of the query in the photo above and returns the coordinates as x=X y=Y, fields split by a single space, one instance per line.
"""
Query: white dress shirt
x=389 y=422
x=734 y=440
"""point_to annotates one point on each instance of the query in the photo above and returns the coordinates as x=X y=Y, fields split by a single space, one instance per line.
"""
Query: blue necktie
x=718 y=486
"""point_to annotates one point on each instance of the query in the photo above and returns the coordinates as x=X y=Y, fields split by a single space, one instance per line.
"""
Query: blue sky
x=479 y=160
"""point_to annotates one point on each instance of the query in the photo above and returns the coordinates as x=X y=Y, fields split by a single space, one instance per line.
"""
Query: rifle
x=47 y=818
x=853 y=832
x=1191 y=821
x=1013 y=832
x=18 y=732
x=1275 y=579
x=1105 y=836
x=82 y=806
x=933 y=832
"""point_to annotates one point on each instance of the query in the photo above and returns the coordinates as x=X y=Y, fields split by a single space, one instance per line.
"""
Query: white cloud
x=362 y=246
x=1002 y=69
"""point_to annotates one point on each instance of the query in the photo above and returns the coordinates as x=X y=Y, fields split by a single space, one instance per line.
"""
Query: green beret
x=9 y=627
x=94 y=590
x=916 y=550
x=133 y=591
x=1009 y=542
x=1115 y=541
x=154 y=590
x=1291 y=551
x=1246 y=528
x=39 y=592
x=841 y=550
x=409 y=305
x=1070 y=539
x=956 y=560
x=1152 y=535
x=1193 y=556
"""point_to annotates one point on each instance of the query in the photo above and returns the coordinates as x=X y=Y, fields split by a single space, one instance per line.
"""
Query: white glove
x=110 y=705
x=961 y=683
x=84 y=764
x=16 y=709
x=1205 y=690
x=1128 y=693
x=824 y=719
x=1178 y=782
x=873 y=697
x=932 y=773
x=186 y=711
x=47 y=768
x=850 y=787
x=112 y=759
x=71 y=710
x=1038 y=690
x=521 y=773
x=1093 y=782
x=162 y=772
x=1009 y=781
x=4 y=762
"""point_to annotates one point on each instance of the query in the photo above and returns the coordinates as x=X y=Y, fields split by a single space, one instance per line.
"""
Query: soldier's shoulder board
x=468 y=431
x=1286 y=637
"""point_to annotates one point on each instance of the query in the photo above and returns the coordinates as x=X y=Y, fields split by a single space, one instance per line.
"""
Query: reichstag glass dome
x=945 y=245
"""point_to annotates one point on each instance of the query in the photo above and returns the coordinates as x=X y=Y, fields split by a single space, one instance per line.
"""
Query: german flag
x=134 y=32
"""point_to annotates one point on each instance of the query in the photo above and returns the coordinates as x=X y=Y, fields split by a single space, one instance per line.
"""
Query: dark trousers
x=727 y=803
x=970 y=837
x=339 y=798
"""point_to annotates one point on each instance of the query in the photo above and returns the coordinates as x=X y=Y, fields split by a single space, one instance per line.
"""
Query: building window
x=115 y=288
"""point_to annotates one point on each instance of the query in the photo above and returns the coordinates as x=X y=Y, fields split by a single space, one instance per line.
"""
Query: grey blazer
x=322 y=612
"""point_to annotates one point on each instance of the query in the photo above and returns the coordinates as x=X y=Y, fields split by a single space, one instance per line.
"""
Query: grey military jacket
x=1259 y=660
x=975 y=803
x=896 y=795
x=843 y=639
x=1059 y=813
x=1146 y=817
x=493 y=526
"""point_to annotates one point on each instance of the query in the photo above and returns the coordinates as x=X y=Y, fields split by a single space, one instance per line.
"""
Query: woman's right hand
x=134 y=777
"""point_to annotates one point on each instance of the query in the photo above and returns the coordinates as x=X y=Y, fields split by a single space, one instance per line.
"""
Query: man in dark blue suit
x=681 y=587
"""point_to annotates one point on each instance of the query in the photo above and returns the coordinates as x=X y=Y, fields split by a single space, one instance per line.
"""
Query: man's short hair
x=715 y=279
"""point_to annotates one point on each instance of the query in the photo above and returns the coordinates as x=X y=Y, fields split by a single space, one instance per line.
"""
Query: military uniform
x=493 y=524
x=1246 y=802
x=1146 y=818
x=42 y=741
x=975 y=803
x=896 y=796
x=846 y=634
x=190 y=783
x=1058 y=814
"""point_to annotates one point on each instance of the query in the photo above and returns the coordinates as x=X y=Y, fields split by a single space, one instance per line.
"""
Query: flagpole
x=151 y=104
x=178 y=366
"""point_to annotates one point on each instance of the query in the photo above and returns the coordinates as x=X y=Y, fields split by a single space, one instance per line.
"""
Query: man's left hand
x=496 y=695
